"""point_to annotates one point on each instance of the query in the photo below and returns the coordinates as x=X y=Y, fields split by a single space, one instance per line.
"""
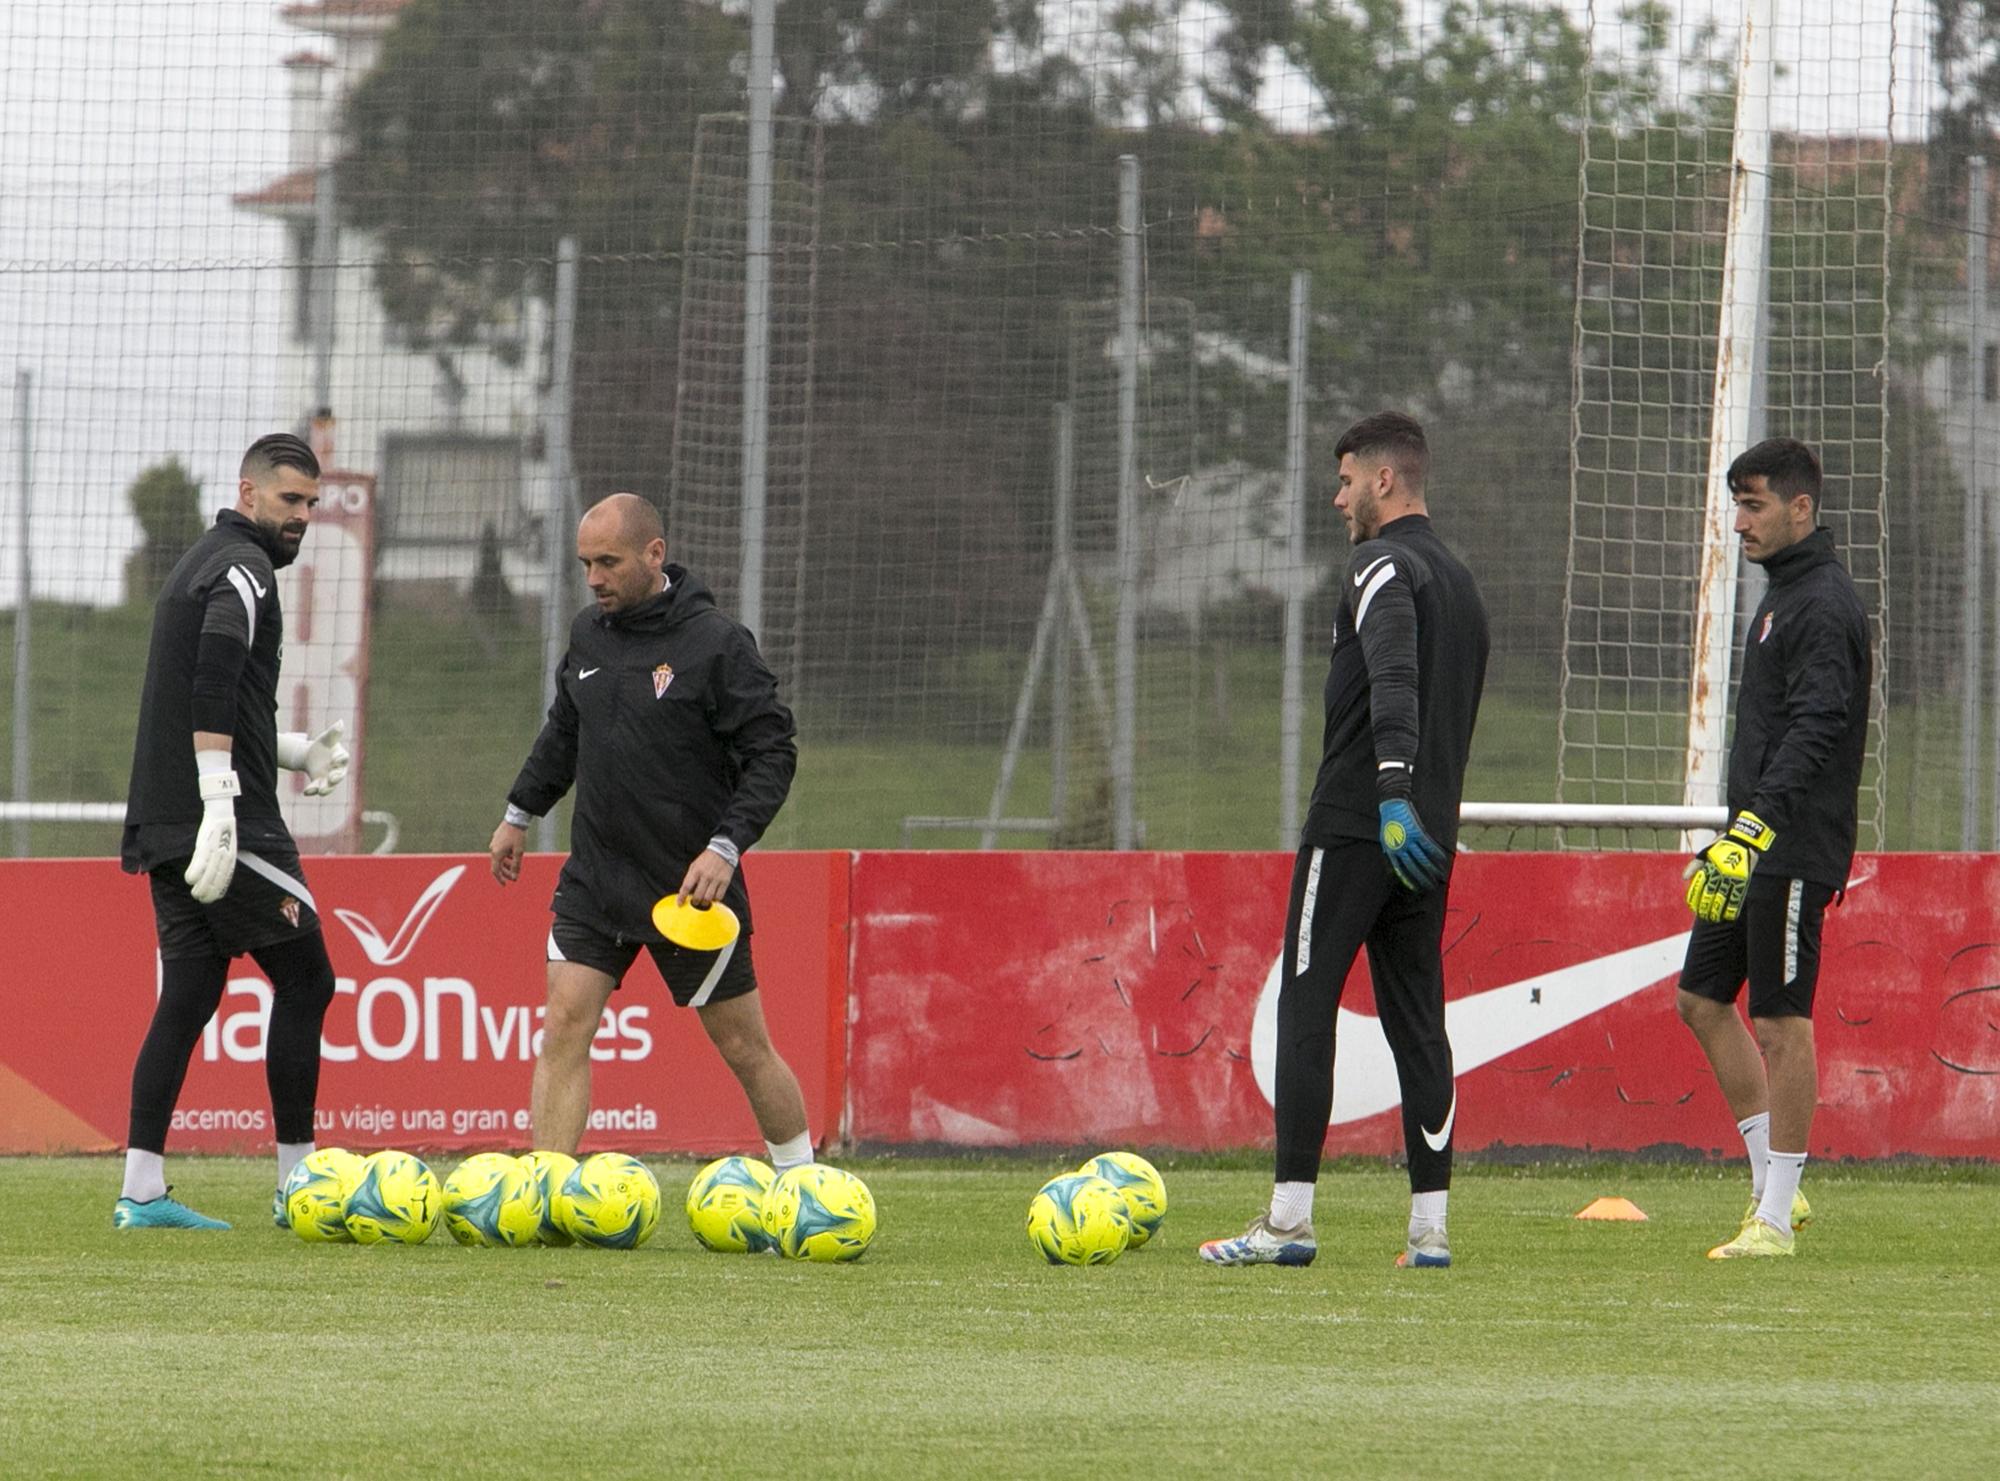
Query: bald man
x=667 y=721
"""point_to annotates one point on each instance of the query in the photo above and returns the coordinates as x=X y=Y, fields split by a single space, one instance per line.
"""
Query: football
x=1140 y=1183
x=1079 y=1219
x=316 y=1192
x=725 y=1205
x=549 y=1170
x=609 y=1201
x=493 y=1199
x=820 y=1213
x=397 y=1200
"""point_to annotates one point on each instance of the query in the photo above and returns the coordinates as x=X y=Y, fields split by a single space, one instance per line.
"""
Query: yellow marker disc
x=696 y=927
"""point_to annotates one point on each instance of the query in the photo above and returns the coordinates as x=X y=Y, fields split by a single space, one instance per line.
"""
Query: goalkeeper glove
x=214 y=863
x=1719 y=877
x=321 y=757
x=1414 y=855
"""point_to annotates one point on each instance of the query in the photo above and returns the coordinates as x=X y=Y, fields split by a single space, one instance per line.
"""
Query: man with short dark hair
x=1760 y=891
x=202 y=820
x=1402 y=697
x=668 y=722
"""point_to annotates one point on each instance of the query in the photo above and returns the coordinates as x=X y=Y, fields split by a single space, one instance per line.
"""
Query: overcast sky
x=144 y=304
x=152 y=313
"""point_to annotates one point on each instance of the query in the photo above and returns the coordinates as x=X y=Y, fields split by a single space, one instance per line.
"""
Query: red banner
x=1014 y=999
x=431 y=1038
x=326 y=601
x=1010 y=999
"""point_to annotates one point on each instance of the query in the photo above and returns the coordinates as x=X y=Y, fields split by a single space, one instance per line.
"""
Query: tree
x=488 y=130
x=1428 y=182
x=1965 y=49
x=970 y=206
x=166 y=500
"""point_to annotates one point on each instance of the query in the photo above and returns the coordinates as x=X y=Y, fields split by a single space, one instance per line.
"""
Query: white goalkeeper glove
x=321 y=757
x=214 y=863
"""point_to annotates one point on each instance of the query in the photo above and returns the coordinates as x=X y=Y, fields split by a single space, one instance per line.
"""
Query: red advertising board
x=1011 y=999
x=1016 y=999
x=431 y=1038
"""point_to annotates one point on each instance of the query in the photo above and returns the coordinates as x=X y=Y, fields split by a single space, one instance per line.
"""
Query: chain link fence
x=1022 y=452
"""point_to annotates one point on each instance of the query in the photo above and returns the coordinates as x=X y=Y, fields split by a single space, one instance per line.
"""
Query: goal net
x=1654 y=215
x=706 y=493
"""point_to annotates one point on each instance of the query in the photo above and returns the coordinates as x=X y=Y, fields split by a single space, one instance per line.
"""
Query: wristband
x=1753 y=830
x=218 y=784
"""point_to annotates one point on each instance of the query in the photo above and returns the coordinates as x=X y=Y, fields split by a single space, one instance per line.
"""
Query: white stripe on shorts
x=1305 y=954
x=277 y=877
x=555 y=951
x=1794 y=898
x=714 y=974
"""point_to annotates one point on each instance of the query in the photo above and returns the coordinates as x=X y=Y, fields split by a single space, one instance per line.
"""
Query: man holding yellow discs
x=668 y=722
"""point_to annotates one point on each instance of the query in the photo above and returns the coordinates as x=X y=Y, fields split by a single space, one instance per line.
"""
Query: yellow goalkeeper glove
x=1719 y=877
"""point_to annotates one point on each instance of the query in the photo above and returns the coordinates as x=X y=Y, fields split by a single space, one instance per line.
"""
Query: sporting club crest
x=662 y=677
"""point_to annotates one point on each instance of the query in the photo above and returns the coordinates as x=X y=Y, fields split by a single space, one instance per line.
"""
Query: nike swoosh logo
x=1438 y=1140
x=586 y=673
x=1366 y=571
x=1482 y=1027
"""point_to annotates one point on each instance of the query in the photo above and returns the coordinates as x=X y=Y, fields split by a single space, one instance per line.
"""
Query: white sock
x=794 y=1153
x=1757 y=1142
x=290 y=1155
x=1427 y=1211
x=1775 y=1207
x=1291 y=1205
x=145 y=1176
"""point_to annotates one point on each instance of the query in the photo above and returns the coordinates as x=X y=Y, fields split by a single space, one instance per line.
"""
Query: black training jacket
x=669 y=724
x=1802 y=713
x=1408 y=667
x=225 y=585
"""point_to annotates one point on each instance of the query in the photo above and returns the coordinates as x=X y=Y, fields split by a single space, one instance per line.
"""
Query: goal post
x=1740 y=325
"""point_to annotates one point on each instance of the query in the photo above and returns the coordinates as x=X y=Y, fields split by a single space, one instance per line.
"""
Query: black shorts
x=694 y=978
x=1774 y=943
x=267 y=903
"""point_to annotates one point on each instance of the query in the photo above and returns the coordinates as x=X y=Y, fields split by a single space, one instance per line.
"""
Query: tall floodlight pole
x=24 y=647
x=1125 y=682
x=1744 y=257
x=326 y=255
x=1975 y=484
x=1972 y=392
x=1064 y=538
x=1292 y=701
x=757 y=319
x=560 y=510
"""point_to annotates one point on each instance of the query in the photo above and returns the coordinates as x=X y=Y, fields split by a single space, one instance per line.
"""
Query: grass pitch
x=1552 y=1348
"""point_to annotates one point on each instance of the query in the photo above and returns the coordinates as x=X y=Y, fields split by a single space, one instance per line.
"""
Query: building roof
x=343 y=17
x=340 y=9
x=306 y=59
x=284 y=196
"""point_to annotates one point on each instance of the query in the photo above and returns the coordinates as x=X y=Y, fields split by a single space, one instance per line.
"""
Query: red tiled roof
x=306 y=59
x=338 y=9
x=296 y=189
